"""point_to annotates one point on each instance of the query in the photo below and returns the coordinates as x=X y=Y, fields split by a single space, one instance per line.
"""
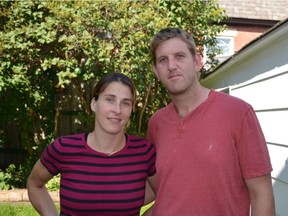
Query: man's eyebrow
x=180 y=52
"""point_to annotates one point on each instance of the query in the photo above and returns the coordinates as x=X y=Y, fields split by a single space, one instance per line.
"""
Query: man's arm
x=37 y=192
x=261 y=196
x=150 y=193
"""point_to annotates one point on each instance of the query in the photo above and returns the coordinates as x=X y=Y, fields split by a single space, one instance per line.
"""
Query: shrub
x=54 y=183
x=4 y=177
x=12 y=177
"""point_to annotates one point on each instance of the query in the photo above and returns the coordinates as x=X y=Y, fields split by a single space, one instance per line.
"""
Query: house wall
x=268 y=96
x=245 y=67
x=245 y=34
x=259 y=75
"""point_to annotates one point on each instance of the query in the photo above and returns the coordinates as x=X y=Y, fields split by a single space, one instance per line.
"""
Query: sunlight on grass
x=144 y=208
x=17 y=209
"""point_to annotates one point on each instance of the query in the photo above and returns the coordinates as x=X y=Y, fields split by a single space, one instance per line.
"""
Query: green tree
x=47 y=47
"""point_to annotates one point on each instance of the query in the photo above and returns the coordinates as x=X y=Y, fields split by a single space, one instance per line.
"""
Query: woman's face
x=113 y=108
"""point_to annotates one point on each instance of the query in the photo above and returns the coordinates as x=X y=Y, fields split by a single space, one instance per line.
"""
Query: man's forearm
x=261 y=196
x=263 y=207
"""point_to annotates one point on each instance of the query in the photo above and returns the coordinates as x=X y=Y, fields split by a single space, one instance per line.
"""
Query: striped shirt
x=93 y=183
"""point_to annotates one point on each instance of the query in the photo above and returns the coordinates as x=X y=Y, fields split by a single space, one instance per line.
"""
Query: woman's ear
x=93 y=104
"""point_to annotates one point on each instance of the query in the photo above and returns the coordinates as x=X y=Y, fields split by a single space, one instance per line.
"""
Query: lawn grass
x=20 y=209
x=15 y=209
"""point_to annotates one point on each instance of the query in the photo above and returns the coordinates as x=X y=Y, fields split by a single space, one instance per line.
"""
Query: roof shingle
x=256 y=9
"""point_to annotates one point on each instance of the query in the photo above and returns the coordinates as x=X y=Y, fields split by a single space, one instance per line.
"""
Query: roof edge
x=244 y=50
x=249 y=22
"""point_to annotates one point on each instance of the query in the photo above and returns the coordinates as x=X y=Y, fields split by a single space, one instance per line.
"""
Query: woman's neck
x=107 y=144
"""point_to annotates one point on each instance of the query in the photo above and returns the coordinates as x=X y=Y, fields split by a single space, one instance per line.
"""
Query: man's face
x=175 y=66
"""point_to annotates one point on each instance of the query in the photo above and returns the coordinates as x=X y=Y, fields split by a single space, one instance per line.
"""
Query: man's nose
x=171 y=64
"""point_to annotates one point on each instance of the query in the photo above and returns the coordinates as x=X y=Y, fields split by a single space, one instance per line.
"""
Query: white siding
x=268 y=94
x=266 y=91
x=259 y=75
x=279 y=157
x=275 y=126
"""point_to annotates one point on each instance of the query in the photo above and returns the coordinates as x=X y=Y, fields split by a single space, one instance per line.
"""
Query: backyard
x=26 y=209
x=16 y=202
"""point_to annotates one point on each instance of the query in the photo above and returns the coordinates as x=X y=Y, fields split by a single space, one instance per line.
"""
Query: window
x=225 y=44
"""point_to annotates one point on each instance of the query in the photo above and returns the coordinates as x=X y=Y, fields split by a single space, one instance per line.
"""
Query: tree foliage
x=49 y=46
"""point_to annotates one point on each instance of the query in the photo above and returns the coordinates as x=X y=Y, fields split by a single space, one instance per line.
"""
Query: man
x=212 y=157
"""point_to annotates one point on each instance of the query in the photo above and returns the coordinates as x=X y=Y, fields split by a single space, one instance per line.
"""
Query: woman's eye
x=110 y=100
x=127 y=103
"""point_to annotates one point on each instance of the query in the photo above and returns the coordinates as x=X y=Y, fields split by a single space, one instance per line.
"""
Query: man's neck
x=185 y=103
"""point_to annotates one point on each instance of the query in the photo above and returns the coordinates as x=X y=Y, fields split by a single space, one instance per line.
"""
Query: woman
x=103 y=172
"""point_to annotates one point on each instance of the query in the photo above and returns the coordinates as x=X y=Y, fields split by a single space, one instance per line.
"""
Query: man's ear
x=155 y=70
x=197 y=62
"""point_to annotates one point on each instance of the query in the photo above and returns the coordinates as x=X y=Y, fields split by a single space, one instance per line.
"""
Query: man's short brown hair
x=169 y=33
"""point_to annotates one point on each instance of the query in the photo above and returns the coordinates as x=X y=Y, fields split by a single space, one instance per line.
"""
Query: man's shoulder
x=229 y=98
x=230 y=103
x=162 y=111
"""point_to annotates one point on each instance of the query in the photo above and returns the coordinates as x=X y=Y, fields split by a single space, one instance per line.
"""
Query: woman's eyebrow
x=112 y=95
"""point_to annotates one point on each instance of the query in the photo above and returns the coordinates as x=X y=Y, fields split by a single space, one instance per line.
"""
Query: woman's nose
x=117 y=108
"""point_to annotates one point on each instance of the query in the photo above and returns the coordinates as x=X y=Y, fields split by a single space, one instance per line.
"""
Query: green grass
x=17 y=209
x=20 y=209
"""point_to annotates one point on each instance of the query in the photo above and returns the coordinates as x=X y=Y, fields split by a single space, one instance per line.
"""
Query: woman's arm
x=37 y=192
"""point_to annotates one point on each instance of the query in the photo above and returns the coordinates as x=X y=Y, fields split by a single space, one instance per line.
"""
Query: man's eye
x=161 y=60
x=179 y=56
